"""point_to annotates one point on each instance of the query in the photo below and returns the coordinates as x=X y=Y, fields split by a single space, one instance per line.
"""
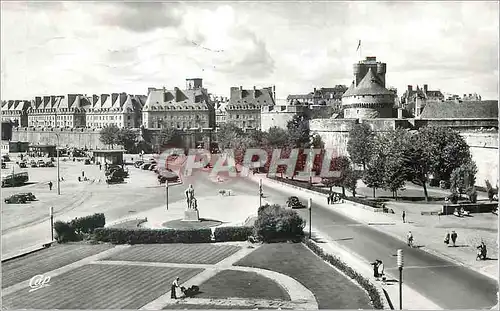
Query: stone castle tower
x=367 y=97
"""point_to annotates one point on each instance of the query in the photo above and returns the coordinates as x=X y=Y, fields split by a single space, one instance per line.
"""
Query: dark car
x=16 y=199
x=49 y=164
x=152 y=167
x=4 y=165
x=294 y=202
x=41 y=163
x=146 y=166
x=29 y=196
x=33 y=164
x=113 y=179
x=138 y=164
x=166 y=175
x=22 y=164
x=87 y=162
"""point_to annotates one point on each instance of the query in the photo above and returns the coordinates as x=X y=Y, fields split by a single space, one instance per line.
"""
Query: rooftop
x=487 y=109
x=369 y=85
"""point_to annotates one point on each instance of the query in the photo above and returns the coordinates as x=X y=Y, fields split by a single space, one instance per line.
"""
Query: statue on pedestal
x=190 y=199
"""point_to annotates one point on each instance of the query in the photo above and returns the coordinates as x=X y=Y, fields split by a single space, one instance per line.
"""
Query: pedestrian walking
x=83 y=174
x=447 y=238
x=375 y=269
x=381 y=271
x=328 y=199
x=50 y=185
x=404 y=216
x=175 y=284
x=454 y=237
x=100 y=167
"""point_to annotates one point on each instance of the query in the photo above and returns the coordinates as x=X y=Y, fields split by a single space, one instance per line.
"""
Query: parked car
x=87 y=162
x=4 y=165
x=33 y=164
x=294 y=202
x=41 y=163
x=49 y=164
x=138 y=164
x=5 y=158
x=146 y=166
x=113 y=179
x=22 y=164
x=28 y=195
x=152 y=167
x=170 y=176
x=16 y=199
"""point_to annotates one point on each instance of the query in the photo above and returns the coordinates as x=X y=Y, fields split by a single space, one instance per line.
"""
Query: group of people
x=378 y=270
x=453 y=236
x=333 y=198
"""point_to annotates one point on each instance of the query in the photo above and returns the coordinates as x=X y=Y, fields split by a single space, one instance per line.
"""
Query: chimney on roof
x=254 y=92
x=425 y=88
x=274 y=92
x=176 y=94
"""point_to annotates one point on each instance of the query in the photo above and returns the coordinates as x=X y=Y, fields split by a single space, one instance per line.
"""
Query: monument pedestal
x=191 y=215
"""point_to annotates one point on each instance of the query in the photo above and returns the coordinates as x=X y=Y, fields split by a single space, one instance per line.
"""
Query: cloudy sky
x=85 y=47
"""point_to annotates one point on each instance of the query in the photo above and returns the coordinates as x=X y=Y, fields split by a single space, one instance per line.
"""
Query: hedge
x=372 y=291
x=152 y=236
x=305 y=185
x=78 y=228
x=224 y=234
x=275 y=223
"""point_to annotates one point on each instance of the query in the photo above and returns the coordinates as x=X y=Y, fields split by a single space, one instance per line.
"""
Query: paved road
x=448 y=285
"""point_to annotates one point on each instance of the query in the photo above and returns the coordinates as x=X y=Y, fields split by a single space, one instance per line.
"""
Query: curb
x=28 y=251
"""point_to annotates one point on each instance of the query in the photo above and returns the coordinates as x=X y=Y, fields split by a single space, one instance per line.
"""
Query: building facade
x=367 y=97
x=16 y=111
x=181 y=109
x=58 y=111
x=279 y=115
x=414 y=100
x=120 y=109
x=244 y=106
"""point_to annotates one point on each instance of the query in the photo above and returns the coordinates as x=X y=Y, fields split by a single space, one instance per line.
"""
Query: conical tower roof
x=369 y=85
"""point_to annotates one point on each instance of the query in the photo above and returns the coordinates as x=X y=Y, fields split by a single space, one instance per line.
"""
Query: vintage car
x=33 y=164
x=138 y=164
x=22 y=164
x=4 y=165
x=294 y=202
x=49 y=164
x=86 y=162
x=41 y=163
x=28 y=195
x=16 y=199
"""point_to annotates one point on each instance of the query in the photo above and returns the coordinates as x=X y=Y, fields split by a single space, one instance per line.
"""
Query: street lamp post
x=400 y=266
x=311 y=159
x=309 y=206
x=58 y=169
x=166 y=192
x=260 y=192
x=51 y=211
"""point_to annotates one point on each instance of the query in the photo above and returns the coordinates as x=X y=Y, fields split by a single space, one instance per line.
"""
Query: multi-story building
x=58 y=111
x=472 y=97
x=16 y=111
x=244 y=107
x=279 y=115
x=419 y=97
x=120 y=109
x=323 y=96
x=182 y=109
x=367 y=97
x=220 y=104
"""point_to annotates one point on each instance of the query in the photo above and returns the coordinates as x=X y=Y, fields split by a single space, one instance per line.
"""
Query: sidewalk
x=389 y=291
x=429 y=231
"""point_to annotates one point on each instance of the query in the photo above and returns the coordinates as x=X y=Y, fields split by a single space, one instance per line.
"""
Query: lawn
x=241 y=284
x=176 y=253
x=57 y=256
x=202 y=224
x=187 y=306
x=332 y=289
x=100 y=287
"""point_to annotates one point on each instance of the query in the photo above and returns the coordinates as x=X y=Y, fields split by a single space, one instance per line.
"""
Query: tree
x=228 y=135
x=463 y=177
x=351 y=181
x=360 y=144
x=373 y=175
x=276 y=137
x=169 y=137
x=490 y=190
x=127 y=138
x=393 y=149
x=341 y=164
x=298 y=131
x=436 y=151
x=109 y=135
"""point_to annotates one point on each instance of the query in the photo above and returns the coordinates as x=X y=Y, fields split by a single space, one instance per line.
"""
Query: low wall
x=472 y=208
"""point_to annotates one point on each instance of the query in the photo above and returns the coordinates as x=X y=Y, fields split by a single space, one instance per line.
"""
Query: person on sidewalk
x=454 y=237
x=380 y=267
x=409 y=237
x=375 y=269
x=447 y=238
x=404 y=216
x=175 y=284
x=50 y=185
x=328 y=199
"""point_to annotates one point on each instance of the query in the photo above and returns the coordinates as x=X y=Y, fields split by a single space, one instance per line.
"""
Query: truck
x=14 y=180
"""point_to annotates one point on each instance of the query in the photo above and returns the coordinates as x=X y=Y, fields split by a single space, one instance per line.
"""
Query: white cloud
x=92 y=47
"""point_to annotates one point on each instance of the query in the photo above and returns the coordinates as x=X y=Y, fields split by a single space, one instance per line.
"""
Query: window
x=128 y=117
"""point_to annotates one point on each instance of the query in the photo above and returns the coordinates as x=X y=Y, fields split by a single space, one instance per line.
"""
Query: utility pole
x=51 y=211
x=400 y=266
x=260 y=192
x=309 y=206
x=166 y=192
x=58 y=169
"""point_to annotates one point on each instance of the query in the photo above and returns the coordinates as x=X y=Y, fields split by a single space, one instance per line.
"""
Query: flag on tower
x=359 y=45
